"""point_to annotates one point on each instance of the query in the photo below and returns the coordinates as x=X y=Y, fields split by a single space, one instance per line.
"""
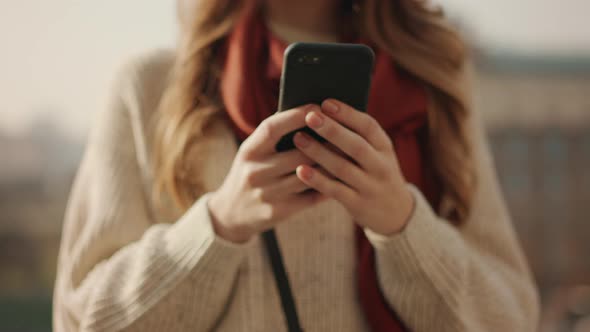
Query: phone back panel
x=314 y=72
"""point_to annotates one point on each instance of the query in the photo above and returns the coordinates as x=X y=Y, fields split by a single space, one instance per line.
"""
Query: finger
x=338 y=166
x=280 y=164
x=284 y=186
x=263 y=140
x=349 y=142
x=323 y=171
x=360 y=122
x=326 y=186
x=335 y=149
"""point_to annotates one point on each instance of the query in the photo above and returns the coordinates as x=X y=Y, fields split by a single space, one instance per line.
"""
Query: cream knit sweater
x=125 y=265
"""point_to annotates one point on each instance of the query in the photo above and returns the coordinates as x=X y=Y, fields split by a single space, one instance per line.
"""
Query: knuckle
x=371 y=125
x=297 y=158
x=265 y=196
x=338 y=170
x=334 y=191
x=248 y=149
x=246 y=152
x=268 y=129
x=330 y=130
x=301 y=160
x=375 y=138
x=323 y=182
x=383 y=170
x=251 y=175
x=264 y=213
x=358 y=151
x=268 y=213
x=249 y=179
x=346 y=196
x=258 y=194
x=341 y=169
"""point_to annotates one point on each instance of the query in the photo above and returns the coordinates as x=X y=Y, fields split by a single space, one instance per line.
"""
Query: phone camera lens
x=309 y=59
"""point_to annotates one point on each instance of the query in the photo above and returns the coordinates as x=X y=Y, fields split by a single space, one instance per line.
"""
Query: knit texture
x=127 y=265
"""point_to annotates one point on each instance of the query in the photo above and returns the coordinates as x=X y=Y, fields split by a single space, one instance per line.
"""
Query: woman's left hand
x=371 y=187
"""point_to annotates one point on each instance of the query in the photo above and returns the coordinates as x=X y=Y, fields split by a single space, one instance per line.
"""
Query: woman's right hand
x=261 y=187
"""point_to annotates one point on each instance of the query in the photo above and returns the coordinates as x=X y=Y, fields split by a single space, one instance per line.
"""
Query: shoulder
x=135 y=91
x=140 y=81
x=147 y=67
x=124 y=124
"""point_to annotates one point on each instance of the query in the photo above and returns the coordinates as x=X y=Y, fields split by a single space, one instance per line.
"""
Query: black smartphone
x=314 y=72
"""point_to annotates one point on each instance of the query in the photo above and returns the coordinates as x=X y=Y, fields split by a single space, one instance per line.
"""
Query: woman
x=405 y=228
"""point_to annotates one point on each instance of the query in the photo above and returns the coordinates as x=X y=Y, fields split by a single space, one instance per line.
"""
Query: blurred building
x=537 y=112
x=35 y=176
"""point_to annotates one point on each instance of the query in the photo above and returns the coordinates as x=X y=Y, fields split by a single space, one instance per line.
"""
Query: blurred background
x=532 y=86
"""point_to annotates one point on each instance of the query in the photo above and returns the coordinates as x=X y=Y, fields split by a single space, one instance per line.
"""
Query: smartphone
x=314 y=72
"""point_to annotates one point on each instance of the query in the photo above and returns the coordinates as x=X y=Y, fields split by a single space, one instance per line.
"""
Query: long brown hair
x=415 y=35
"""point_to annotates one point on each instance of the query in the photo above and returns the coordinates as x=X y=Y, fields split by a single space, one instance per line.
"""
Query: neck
x=304 y=20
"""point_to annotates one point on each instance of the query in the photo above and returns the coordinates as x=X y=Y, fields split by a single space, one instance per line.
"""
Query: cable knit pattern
x=125 y=265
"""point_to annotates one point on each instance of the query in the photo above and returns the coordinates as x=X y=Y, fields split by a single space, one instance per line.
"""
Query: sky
x=59 y=56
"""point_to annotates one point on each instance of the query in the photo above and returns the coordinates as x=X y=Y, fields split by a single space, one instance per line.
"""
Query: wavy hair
x=416 y=36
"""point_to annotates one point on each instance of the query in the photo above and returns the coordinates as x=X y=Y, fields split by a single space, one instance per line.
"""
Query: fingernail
x=302 y=139
x=330 y=106
x=306 y=174
x=315 y=120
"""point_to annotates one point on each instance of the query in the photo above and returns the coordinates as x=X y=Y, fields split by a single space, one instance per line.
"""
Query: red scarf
x=249 y=89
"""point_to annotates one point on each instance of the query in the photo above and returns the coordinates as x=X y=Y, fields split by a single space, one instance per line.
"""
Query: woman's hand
x=371 y=186
x=261 y=187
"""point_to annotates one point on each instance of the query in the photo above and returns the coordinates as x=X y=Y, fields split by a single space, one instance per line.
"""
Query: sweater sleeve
x=120 y=270
x=474 y=277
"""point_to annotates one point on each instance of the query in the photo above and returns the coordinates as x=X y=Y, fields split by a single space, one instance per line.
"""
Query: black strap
x=282 y=281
